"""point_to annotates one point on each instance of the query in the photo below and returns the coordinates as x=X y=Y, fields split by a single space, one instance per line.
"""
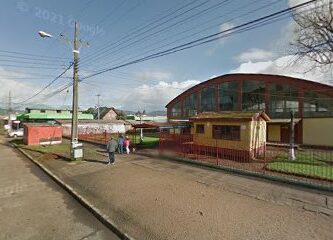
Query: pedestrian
x=120 y=144
x=127 y=144
x=111 y=147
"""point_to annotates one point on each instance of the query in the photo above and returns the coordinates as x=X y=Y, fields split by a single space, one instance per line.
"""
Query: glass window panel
x=226 y=132
x=317 y=104
x=283 y=99
x=208 y=100
x=228 y=96
x=176 y=110
x=190 y=105
x=253 y=95
x=200 y=128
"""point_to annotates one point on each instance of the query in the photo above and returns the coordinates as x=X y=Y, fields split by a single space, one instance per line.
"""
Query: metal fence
x=314 y=166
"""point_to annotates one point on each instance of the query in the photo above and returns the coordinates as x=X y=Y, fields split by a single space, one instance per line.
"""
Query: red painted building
x=42 y=133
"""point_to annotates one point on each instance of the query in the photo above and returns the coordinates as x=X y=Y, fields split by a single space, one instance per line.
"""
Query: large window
x=190 y=105
x=282 y=100
x=176 y=110
x=228 y=96
x=316 y=104
x=208 y=100
x=226 y=132
x=253 y=95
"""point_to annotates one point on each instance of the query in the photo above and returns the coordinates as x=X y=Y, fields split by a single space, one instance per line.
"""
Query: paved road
x=32 y=206
x=150 y=198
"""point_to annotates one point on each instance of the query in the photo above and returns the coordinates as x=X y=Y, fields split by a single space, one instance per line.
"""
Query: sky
x=118 y=31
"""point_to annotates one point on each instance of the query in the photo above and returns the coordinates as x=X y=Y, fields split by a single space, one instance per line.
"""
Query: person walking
x=127 y=144
x=111 y=147
x=120 y=144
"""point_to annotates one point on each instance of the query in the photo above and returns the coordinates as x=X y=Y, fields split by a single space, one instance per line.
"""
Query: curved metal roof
x=254 y=76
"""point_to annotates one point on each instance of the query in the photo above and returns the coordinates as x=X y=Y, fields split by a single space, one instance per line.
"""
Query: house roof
x=95 y=121
x=52 y=109
x=230 y=116
x=283 y=120
x=106 y=111
x=164 y=125
x=52 y=115
x=42 y=124
x=303 y=83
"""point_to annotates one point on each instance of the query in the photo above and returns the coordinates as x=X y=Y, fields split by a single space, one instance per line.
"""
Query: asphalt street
x=32 y=206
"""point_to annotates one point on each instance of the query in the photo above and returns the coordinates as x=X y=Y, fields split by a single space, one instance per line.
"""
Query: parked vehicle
x=16 y=133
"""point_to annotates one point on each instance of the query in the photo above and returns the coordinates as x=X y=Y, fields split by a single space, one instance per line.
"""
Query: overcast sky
x=120 y=27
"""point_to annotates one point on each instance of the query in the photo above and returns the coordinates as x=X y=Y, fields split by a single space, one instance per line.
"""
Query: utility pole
x=10 y=103
x=292 y=137
x=98 y=116
x=74 y=130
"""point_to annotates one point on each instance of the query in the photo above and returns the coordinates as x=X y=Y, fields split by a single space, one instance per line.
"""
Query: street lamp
x=45 y=34
x=76 y=147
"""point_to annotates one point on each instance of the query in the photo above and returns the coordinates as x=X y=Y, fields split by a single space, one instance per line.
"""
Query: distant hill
x=93 y=111
x=157 y=113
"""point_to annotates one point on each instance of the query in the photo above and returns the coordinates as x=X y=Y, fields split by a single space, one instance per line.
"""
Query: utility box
x=77 y=150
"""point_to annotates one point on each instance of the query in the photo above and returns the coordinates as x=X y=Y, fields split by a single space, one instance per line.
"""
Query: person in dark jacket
x=111 y=147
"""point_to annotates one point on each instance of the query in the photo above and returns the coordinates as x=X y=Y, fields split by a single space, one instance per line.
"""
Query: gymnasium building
x=277 y=96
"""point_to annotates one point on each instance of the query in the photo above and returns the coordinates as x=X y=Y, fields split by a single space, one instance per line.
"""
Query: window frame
x=227 y=132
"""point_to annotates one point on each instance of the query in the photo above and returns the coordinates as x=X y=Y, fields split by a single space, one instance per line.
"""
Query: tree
x=313 y=34
x=121 y=115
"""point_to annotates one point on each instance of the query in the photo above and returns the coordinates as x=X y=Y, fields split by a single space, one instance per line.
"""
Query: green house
x=40 y=114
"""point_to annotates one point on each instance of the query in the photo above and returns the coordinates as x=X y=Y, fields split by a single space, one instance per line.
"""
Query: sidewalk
x=150 y=198
x=32 y=206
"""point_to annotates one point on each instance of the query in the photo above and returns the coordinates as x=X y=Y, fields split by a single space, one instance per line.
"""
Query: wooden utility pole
x=74 y=129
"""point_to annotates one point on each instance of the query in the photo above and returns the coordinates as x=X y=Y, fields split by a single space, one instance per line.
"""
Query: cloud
x=153 y=75
x=287 y=66
x=224 y=27
x=18 y=88
x=21 y=88
x=155 y=96
x=255 y=54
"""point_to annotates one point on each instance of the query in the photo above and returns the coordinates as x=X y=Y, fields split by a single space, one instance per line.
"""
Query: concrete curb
x=84 y=202
x=246 y=173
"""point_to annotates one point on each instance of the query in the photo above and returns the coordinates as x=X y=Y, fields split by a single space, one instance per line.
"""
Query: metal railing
x=313 y=166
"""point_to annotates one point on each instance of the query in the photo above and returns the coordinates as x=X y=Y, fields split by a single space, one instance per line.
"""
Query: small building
x=42 y=133
x=108 y=114
x=230 y=133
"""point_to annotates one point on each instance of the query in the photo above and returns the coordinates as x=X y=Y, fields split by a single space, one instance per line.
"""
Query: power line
x=17 y=66
x=151 y=25
x=34 y=55
x=182 y=21
x=48 y=85
x=196 y=33
x=28 y=63
x=206 y=39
